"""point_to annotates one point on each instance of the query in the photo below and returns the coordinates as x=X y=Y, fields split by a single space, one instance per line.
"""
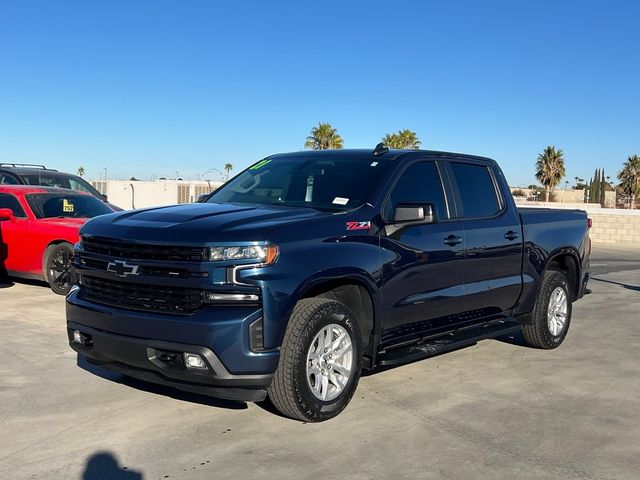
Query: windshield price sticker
x=340 y=201
x=67 y=206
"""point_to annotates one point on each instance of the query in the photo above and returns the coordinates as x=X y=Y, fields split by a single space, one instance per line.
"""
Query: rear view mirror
x=6 y=214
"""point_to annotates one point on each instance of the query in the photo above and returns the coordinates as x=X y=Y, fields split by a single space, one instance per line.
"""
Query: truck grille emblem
x=122 y=269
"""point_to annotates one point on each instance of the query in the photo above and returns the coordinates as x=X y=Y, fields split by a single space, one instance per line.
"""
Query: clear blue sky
x=155 y=87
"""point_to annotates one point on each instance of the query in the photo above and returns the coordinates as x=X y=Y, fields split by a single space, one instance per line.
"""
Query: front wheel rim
x=60 y=269
x=557 y=311
x=329 y=362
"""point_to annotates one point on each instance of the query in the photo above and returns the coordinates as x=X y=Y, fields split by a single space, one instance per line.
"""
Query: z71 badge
x=358 y=225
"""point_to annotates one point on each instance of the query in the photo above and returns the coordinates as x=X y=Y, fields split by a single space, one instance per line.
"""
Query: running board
x=445 y=343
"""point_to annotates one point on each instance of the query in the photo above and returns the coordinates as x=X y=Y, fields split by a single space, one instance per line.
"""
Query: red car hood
x=65 y=222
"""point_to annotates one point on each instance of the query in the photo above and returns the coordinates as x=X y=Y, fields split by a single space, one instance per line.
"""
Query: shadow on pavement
x=159 y=389
x=513 y=339
x=104 y=466
x=628 y=287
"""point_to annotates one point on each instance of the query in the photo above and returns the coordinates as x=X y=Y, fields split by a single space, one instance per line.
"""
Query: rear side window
x=420 y=183
x=7 y=179
x=9 y=201
x=45 y=180
x=477 y=190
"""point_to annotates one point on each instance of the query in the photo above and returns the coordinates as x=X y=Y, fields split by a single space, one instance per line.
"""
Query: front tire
x=552 y=313
x=320 y=361
x=57 y=267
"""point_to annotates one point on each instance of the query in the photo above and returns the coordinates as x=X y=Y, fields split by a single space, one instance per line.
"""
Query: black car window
x=420 y=183
x=9 y=201
x=8 y=179
x=46 y=180
x=80 y=184
x=477 y=190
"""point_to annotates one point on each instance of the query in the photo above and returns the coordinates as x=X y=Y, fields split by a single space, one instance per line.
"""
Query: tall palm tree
x=323 y=137
x=630 y=178
x=403 y=139
x=228 y=167
x=81 y=170
x=550 y=168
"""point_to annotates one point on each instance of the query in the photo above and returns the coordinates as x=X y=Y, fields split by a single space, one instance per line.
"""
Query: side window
x=75 y=185
x=9 y=201
x=7 y=179
x=47 y=181
x=477 y=190
x=420 y=183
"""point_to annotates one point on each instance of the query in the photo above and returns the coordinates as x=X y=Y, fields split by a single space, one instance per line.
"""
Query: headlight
x=260 y=254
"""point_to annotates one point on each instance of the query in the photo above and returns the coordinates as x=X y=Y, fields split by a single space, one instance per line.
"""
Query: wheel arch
x=567 y=261
x=45 y=252
x=358 y=293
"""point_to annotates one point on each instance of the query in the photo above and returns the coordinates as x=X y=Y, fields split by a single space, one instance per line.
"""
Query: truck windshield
x=323 y=183
x=54 y=205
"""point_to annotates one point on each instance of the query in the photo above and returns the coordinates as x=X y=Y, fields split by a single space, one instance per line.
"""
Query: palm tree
x=630 y=178
x=323 y=137
x=550 y=169
x=403 y=139
x=81 y=170
x=228 y=167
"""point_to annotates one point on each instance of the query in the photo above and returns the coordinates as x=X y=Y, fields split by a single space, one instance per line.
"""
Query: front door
x=13 y=233
x=422 y=264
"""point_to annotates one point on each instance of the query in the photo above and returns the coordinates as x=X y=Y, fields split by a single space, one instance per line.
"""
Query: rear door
x=493 y=253
x=422 y=264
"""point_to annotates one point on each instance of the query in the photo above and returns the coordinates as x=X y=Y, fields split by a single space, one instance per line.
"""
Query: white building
x=130 y=194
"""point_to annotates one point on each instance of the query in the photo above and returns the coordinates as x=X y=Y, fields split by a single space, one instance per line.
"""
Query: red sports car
x=38 y=227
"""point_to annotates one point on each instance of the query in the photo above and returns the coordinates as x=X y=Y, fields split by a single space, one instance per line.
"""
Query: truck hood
x=199 y=223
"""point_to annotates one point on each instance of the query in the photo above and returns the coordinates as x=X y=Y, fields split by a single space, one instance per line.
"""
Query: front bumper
x=149 y=346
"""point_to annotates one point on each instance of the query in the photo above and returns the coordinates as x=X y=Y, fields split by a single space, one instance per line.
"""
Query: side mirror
x=104 y=197
x=406 y=214
x=412 y=213
x=6 y=214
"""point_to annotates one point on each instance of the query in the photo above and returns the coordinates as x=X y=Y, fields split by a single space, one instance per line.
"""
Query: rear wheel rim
x=60 y=269
x=557 y=311
x=330 y=362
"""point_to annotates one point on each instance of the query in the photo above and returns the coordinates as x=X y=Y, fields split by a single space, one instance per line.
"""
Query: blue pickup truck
x=309 y=267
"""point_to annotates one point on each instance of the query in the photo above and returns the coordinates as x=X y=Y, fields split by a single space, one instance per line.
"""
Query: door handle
x=453 y=240
x=511 y=235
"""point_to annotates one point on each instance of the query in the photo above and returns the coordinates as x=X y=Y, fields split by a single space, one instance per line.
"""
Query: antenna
x=380 y=149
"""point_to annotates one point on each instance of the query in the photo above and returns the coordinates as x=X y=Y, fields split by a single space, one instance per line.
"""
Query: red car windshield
x=56 y=205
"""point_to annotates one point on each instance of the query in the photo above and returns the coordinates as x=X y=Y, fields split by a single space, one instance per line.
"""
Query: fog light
x=77 y=337
x=213 y=297
x=194 y=361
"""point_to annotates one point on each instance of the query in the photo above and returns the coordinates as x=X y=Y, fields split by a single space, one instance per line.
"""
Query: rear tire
x=57 y=267
x=552 y=313
x=320 y=361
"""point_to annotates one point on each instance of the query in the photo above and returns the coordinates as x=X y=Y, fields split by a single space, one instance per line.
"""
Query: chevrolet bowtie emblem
x=122 y=269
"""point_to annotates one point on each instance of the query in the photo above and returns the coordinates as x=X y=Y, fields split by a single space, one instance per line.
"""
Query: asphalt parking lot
x=494 y=410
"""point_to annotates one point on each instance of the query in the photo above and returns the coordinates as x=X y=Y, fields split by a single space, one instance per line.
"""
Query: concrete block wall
x=616 y=228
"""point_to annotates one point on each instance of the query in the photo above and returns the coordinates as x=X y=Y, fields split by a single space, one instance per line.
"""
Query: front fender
x=297 y=272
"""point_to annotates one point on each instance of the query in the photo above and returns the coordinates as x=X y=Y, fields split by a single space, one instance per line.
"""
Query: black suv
x=27 y=174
